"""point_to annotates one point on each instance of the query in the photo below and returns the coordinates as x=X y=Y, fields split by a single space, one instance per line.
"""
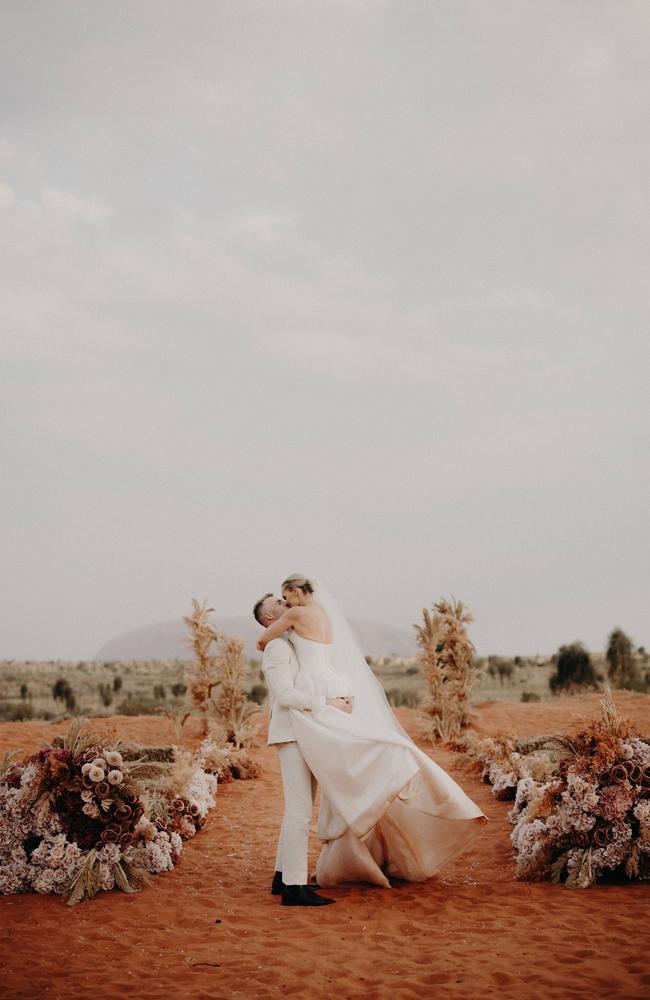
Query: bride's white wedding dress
x=386 y=808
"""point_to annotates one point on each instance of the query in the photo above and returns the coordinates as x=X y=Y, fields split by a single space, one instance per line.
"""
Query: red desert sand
x=211 y=928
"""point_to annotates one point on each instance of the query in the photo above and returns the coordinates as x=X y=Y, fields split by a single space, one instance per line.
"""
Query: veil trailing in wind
x=347 y=658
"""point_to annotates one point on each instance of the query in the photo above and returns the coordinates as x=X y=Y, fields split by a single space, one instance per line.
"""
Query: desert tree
x=621 y=664
x=573 y=668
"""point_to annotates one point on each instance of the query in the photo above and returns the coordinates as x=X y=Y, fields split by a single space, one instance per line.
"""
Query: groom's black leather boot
x=302 y=895
x=277 y=883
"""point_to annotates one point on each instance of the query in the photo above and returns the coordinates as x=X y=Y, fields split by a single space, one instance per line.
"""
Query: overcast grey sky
x=355 y=289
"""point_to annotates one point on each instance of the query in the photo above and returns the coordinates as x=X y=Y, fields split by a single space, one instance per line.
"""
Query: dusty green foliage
x=449 y=668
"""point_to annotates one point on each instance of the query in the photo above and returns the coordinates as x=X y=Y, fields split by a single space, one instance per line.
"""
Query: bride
x=386 y=809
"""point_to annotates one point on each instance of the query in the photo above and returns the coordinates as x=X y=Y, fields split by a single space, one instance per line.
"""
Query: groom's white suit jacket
x=281 y=667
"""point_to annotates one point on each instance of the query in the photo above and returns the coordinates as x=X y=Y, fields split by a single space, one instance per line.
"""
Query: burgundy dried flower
x=126 y=840
x=123 y=811
x=109 y=836
x=178 y=805
x=103 y=789
x=618 y=774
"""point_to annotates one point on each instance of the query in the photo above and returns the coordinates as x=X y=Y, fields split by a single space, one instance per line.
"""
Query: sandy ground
x=211 y=929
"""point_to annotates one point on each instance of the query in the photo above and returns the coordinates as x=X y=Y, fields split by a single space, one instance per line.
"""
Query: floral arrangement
x=79 y=817
x=581 y=805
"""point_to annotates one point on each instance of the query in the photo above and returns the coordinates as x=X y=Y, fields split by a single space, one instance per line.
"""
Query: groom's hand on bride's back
x=344 y=704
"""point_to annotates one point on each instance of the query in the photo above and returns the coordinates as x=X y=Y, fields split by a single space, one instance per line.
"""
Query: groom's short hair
x=257 y=610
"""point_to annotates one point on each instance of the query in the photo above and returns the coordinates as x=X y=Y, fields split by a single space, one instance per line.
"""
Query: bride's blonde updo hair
x=298 y=582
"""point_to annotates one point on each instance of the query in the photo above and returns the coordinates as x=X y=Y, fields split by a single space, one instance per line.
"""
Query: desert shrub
x=16 y=712
x=501 y=667
x=24 y=692
x=530 y=696
x=105 y=693
x=411 y=671
x=61 y=689
x=178 y=690
x=117 y=684
x=621 y=665
x=398 y=698
x=573 y=668
x=258 y=693
x=138 y=706
x=159 y=692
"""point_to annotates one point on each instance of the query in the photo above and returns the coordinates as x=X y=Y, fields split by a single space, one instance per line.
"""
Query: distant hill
x=164 y=640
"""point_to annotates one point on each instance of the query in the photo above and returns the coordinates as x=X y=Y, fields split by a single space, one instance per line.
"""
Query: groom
x=280 y=666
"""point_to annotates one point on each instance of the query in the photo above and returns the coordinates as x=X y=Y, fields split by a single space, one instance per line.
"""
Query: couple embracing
x=386 y=809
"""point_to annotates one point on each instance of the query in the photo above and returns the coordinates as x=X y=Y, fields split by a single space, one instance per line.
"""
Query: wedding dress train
x=386 y=808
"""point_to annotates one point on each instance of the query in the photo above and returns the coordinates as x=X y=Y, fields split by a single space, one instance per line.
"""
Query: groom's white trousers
x=299 y=786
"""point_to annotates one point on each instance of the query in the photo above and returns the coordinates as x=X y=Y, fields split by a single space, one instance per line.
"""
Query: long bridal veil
x=370 y=702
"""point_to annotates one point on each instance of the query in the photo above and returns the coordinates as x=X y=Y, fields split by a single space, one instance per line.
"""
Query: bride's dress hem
x=478 y=822
x=378 y=873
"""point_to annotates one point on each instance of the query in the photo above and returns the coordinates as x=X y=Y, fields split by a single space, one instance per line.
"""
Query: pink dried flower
x=614 y=802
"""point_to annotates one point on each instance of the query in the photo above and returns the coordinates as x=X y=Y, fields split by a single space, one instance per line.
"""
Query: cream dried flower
x=96 y=773
x=115 y=777
x=99 y=762
x=114 y=758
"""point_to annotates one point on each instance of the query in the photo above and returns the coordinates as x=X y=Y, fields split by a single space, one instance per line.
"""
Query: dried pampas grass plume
x=202 y=675
x=219 y=663
x=450 y=673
